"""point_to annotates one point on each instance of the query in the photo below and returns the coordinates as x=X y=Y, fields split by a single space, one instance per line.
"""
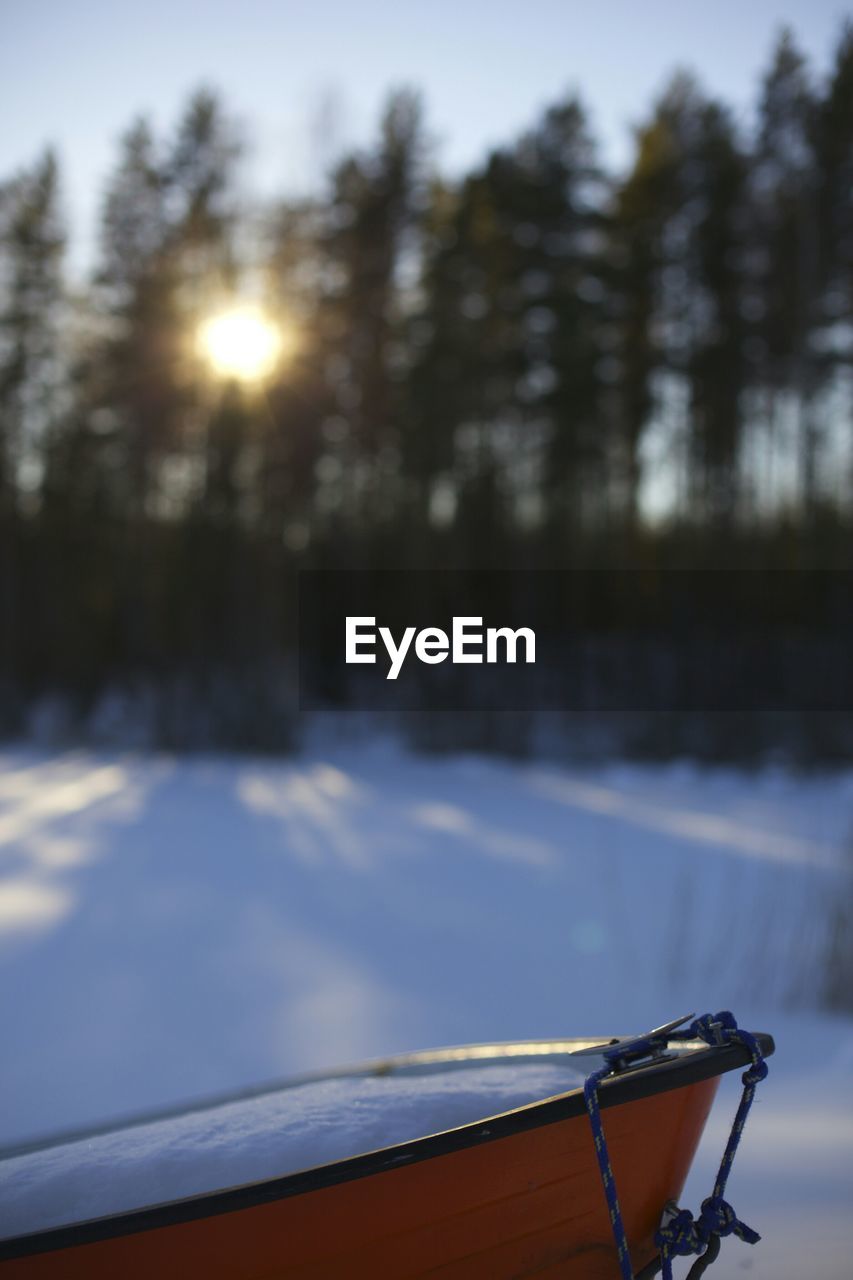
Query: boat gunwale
x=689 y=1066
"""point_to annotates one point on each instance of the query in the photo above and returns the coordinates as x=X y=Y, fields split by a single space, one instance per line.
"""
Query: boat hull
x=501 y=1204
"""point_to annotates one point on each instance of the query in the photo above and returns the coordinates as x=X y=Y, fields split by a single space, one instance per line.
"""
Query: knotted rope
x=680 y=1234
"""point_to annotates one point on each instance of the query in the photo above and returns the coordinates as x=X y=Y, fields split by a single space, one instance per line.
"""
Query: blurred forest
x=538 y=363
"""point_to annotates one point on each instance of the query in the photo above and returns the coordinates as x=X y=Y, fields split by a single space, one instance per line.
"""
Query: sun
x=241 y=343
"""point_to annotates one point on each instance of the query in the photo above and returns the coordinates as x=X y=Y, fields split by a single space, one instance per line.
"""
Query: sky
x=74 y=75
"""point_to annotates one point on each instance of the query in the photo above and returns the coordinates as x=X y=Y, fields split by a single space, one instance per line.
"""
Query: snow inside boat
x=473 y=1162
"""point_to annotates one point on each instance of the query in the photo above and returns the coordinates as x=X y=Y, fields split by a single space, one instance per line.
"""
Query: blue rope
x=590 y=1094
x=680 y=1234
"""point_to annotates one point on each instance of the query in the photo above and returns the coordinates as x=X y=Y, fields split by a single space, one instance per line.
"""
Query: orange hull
x=529 y=1204
x=512 y=1196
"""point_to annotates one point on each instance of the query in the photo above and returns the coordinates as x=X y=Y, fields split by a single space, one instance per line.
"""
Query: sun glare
x=241 y=343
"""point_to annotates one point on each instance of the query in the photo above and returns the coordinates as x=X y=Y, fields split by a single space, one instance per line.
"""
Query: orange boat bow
x=526 y=1204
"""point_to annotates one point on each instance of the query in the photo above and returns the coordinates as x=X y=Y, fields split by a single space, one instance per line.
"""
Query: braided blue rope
x=680 y=1234
x=590 y=1095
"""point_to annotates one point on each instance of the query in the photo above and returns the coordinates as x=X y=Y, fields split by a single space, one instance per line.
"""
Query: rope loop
x=680 y=1234
x=718 y=1218
x=755 y=1074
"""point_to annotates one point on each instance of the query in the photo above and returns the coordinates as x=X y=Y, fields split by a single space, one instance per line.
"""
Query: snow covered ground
x=170 y=928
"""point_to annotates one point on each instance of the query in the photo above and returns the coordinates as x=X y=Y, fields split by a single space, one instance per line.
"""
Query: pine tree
x=135 y=394
x=834 y=147
x=303 y=425
x=717 y=367
x=31 y=246
x=834 y=159
x=370 y=244
x=785 y=255
x=507 y=405
x=677 y=227
x=643 y=205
